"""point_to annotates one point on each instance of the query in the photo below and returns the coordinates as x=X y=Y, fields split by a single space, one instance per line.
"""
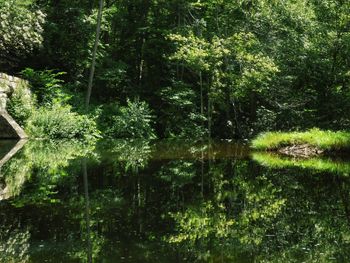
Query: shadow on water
x=141 y=201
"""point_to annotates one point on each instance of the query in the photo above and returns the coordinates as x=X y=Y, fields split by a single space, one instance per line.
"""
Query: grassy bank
x=325 y=140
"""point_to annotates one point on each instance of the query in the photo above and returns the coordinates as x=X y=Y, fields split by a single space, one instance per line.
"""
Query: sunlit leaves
x=20 y=29
x=132 y=121
x=192 y=50
x=235 y=62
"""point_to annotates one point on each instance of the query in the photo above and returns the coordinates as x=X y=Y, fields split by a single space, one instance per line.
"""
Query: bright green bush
x=21 y=104
x=51 y=116
x=131 y=121
x=58 y=122
x=46 y=85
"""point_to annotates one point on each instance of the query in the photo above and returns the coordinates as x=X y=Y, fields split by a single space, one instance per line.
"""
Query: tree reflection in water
x=171 y=202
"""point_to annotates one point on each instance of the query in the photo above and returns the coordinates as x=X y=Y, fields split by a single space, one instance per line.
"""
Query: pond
x=170 y=201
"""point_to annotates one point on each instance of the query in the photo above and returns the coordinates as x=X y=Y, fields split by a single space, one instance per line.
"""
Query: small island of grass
x=311 y=142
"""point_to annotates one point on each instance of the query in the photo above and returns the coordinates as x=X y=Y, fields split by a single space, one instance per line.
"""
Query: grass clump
x=325 y=140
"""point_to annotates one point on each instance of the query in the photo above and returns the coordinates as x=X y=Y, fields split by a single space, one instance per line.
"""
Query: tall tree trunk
x=93 y=63
x=202 y=100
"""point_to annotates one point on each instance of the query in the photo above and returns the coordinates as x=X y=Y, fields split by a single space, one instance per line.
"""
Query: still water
x=139 y=201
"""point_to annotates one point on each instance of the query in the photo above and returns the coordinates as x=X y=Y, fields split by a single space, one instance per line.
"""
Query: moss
x=325 y=140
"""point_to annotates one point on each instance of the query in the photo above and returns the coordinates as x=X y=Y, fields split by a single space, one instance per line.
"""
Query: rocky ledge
x=302 y=150
x=9 y=129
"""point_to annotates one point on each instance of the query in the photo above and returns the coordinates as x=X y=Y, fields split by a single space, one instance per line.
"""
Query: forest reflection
x=171 y=201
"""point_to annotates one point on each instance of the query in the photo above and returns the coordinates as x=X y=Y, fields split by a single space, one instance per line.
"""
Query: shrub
x=131 y=121
x=21 y=104
x=46 y=85
x=53 y=119
x=58 y=121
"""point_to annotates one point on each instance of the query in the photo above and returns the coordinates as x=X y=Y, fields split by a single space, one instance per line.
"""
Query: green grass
x=276 y=161
x=325 y=140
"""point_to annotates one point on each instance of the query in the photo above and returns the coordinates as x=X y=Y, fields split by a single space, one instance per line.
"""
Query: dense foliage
x=221 y=68
x=21 y=31
x=131 y=121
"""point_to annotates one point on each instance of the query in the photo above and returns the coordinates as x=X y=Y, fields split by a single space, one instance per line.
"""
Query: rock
x=9 y=129
x=3 y=101
x=4 y=87
x=302 y=150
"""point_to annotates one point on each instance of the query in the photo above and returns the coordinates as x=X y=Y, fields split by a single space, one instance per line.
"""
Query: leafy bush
x=21 y=104
x=46 y=85
x=21 y=31
x=58 y=121
x=53 y=119
x=131 y=121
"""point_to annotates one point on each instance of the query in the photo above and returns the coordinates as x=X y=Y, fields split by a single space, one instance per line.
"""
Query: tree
x=20 y=31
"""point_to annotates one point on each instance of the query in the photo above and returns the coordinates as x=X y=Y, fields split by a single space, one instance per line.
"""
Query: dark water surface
x=139 y=201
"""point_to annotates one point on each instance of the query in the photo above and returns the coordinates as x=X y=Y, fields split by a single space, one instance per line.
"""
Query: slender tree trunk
x=253 y=105
x=142 y=62
x=209 y=115
x=93 y=63
x=201 y=87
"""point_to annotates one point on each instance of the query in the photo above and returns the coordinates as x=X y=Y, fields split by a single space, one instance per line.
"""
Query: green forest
x=174 y=131
x=177 y=68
